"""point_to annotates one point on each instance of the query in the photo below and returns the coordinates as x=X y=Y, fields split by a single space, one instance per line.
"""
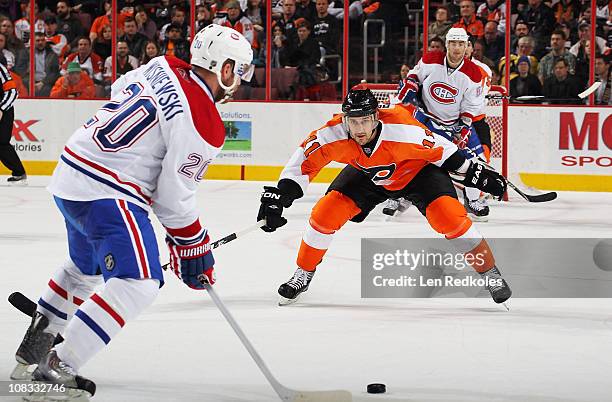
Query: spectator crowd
x=550 y=44
x=73 y=41
x=549 y=55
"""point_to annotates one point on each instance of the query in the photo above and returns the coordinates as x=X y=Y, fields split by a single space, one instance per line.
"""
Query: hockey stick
x=589 y=90
x=230 y=237
x=235 y=235
x=22 y=303
x=519 y=98
x=529 y=197
x=529 y=97
x=284 y=393
x=581 y=95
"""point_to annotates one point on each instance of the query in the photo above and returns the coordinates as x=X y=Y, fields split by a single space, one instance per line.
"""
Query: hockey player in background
x=479 y=123
x=452 y=96
x=144 y=151
x=389 y=155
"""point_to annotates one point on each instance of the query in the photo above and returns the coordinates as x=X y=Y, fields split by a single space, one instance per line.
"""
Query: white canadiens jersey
x=150 y=145
x=449 y=96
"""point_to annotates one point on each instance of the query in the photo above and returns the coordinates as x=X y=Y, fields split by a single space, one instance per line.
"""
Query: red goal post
x=496 y=115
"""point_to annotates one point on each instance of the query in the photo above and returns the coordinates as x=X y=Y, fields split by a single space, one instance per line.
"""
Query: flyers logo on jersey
x=443 y=93
x=379 y=174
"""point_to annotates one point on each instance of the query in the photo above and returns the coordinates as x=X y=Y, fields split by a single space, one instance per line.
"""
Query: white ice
x=424 y=350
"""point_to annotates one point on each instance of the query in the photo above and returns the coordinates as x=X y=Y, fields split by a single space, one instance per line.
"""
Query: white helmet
x=457 y=34
x=215 y=44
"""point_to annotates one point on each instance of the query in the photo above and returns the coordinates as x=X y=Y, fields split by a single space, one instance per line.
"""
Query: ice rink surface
x=424 y=350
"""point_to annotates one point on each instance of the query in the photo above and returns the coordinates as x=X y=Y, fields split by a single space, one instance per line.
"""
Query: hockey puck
x=377 y=388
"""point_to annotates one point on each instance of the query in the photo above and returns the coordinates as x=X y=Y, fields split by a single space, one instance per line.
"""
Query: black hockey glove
x=271 y=209
x=487 y=180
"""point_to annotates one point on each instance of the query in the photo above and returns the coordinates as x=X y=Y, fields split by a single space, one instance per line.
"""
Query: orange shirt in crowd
x=85 y=89
x=170 y=49
x=101 y=21
x=22 y=91
x=474 y=27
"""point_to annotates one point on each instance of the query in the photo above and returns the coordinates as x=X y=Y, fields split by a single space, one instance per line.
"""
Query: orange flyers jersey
x=403 y=148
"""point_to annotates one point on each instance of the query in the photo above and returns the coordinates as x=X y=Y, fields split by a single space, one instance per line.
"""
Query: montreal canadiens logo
x=234 y=36
x=443 y=93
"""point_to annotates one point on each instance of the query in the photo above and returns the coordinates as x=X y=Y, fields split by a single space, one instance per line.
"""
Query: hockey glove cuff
x=192 y=263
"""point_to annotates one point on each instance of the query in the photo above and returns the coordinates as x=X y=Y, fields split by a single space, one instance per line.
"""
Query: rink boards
x=550 y=147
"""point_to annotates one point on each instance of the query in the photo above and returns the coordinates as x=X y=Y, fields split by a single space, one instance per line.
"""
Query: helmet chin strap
x=229 y=90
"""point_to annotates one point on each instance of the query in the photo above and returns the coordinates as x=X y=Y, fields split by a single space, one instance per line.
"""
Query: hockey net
x=496 y=112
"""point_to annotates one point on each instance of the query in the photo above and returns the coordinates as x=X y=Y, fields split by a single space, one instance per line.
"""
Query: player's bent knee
x=447 y=216
x=129 y=297
x=78 y=280
x=332 y=211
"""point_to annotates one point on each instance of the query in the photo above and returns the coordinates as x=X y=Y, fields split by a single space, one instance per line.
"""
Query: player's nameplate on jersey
x=394 y=267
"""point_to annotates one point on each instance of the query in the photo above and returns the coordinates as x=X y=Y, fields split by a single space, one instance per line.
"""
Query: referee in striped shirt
x=8 y=155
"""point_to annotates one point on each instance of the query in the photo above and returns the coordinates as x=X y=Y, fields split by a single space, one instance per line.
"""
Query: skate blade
x=476 y=218
x=69 y=395
x=22 y=372
x=20 y=183
x=506 y=305
x=389 y=218
x=283 y=301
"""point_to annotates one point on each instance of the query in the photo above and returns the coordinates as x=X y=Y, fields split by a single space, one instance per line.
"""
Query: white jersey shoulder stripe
x=403 y=133
x=329 y=134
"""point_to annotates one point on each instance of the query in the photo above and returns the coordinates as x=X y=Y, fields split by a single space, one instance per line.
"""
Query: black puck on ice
x=377 y=388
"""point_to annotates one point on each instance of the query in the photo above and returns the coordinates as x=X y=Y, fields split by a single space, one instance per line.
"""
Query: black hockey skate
x=20 y=180
x=477 y=210
x=394 y=206
x=500 y=291
x=35 y=345
x=298 y=284
x=69 y=386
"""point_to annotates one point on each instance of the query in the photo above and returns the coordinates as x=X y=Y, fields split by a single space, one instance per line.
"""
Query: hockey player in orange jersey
x=388 y=154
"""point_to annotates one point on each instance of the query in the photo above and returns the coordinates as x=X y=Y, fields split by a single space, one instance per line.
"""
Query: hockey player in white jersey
x=452 y=96
x=144 y=151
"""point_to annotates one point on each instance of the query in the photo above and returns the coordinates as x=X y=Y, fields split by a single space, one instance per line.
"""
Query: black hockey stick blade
x=22 y=303
x=534 y=197
x=86 y=385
